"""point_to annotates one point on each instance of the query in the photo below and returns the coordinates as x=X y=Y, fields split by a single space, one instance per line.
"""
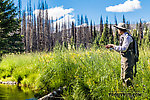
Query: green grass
x=88 y=74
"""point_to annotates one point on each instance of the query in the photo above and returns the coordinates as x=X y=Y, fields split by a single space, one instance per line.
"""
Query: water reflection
x=13 y=92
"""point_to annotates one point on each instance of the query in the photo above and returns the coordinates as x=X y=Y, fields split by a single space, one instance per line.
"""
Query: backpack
x=136 y=53
x=135 y=50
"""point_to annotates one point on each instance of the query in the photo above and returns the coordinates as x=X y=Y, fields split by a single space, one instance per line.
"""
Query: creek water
x=13 y=92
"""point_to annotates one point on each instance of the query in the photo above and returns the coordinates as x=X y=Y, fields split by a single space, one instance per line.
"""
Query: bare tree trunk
x=46 y=30
x=28 y=32
x=24 y=29
x=49 y=36
x=34 y=37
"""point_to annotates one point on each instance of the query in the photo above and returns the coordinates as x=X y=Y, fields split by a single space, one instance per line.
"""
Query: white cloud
x=125 y=7
x=56 y=12
x=67 y=19
x=62 y=15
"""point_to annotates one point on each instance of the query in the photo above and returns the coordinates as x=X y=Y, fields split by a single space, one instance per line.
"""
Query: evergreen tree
x=82 y=20
x=19 y=3
x=91 y=31
x=116 y=36
x=94 y=33
x=10 y=40
x=86 y=20
x=116 y=23
x=124 y=21
x=78 y=18
x=101 y=26
x=135 y=34
x=147 y=38
x=140 y=32
x=110 y=35
x=104 y=39
x=128 y=25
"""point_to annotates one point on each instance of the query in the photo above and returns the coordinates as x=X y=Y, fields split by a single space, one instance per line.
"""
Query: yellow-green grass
x=88 y=74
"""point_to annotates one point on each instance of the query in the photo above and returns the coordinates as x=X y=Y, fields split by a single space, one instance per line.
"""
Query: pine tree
x=94 y=33
x=20 y=5
x=82 y=20
x=10 y=40
x=116 y=23
x=116 y=37
x=147 y=38
x=110 y=35
x=124 y=21
x=78 y=18
x=101 y=26
x=86 y=20
x=104 y=39
x=135 y=34
x=128 y=25
x=140 y=32
x=91 y=31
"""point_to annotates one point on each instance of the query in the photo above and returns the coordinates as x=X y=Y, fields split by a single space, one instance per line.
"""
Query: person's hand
x=109 y=46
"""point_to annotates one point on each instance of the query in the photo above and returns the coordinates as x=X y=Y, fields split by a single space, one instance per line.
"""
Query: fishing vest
x=127 y=56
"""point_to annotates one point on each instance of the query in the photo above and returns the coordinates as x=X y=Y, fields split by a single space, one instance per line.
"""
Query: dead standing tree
x=24 y=29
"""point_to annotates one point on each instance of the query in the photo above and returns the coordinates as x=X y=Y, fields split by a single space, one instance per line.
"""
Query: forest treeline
x=42 y=33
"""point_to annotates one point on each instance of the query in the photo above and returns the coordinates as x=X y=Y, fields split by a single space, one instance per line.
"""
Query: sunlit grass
x=89 y=74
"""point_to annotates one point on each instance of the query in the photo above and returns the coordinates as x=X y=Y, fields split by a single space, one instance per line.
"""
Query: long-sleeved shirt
x=126 y=42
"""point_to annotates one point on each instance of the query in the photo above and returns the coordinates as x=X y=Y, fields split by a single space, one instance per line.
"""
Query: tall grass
x=88 y=74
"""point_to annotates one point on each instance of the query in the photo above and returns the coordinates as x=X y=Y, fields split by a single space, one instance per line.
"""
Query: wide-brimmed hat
x=121 y=26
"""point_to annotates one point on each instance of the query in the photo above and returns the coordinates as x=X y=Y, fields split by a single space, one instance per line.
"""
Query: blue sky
x=132 y=9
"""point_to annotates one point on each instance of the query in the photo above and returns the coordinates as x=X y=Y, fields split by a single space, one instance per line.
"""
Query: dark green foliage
x=135 y=35
x=124 y=21
x=78 y=18
x=116 y=20
x=128 y=25
x=116 y=38
x=86 y=20
x=15 y=44
x=110 y=35
x=104 y=38
x=140 y=32
x=10 y=40
x=82 y=20
x=101 y=26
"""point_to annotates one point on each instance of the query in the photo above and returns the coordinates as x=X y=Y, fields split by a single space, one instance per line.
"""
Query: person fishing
x=126 y=49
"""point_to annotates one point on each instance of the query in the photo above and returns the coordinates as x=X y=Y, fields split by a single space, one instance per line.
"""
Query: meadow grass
x=88 y=74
